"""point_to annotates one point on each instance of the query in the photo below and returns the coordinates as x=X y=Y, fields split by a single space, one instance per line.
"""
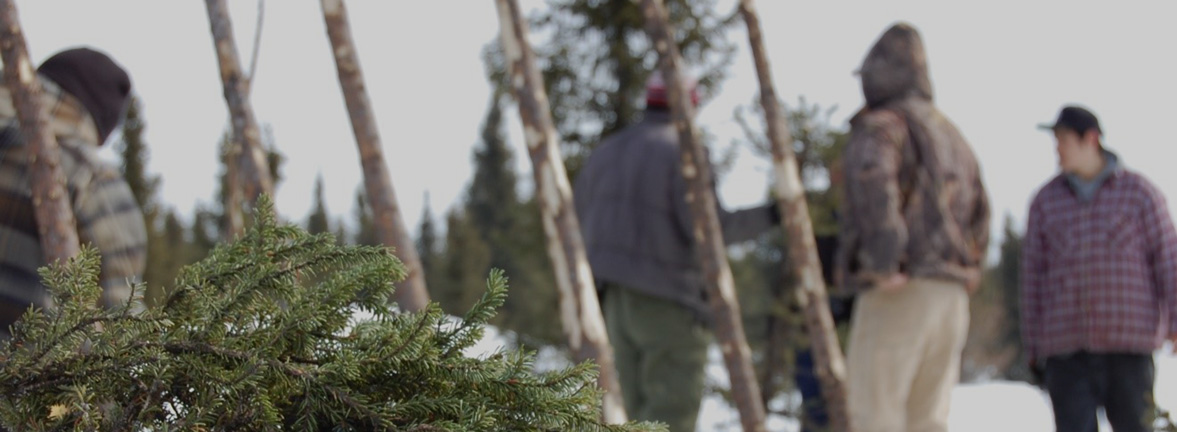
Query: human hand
x=1037 y=373
x=893 y=282
x=972 y=280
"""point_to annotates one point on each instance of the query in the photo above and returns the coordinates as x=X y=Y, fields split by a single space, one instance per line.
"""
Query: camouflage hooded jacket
x=915 y=202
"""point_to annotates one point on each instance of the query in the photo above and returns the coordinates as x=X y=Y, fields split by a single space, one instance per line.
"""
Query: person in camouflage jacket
x=914 y=231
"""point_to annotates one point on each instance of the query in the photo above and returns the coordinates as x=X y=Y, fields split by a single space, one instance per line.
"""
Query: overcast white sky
x=999 y=68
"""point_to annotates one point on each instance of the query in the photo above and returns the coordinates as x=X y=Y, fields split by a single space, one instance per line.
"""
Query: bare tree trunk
x=231 y=207
x=232 y=196
x=253 y=169
x=411 y=295
x=54 y=215
x=802 y=248
x=729 y=328
x=580 y=310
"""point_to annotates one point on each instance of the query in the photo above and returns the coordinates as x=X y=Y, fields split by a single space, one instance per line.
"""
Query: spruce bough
x=281 y=330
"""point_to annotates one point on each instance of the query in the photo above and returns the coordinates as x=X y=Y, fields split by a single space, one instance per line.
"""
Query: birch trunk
x=51 y=207
x=729 y=329
x=411 y=294
x=580 y=310
x=253 y=169
x=802 y=248
x=231 y=206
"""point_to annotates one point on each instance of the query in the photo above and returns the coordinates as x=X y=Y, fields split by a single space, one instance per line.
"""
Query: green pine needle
x=266 y=334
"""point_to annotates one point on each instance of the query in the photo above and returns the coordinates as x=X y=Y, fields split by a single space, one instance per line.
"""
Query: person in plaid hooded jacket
x=86 y=94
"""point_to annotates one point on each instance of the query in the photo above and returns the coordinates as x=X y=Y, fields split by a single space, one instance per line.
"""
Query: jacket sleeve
x=873 y=199
x=1162 y=252
x=736 y=226
x=745 y=224
x=111 y=221
x=1033 y=275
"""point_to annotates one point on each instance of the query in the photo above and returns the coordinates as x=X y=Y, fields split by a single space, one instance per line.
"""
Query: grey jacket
x=631 y=201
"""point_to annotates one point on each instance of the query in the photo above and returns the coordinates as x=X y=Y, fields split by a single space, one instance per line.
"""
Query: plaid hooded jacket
x=107 y=214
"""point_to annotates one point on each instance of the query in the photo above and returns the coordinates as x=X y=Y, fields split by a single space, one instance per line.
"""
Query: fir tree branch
x=81 y=325
x=351 y=403
x=422 y=322
x=57 y=375
x=245 y=342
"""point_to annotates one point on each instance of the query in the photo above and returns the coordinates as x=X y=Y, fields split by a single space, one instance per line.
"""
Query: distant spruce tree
x=598 y=58
x=144 y=187
x=1009 y=275
x=135 y=156
x=512 y=230
x=318 y=221
x=244 y=342
x=465 y=260
x=365 y=234
x=428 y=248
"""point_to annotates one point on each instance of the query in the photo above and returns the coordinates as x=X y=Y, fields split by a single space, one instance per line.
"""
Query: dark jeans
x=1082 y=382
x=813 y=406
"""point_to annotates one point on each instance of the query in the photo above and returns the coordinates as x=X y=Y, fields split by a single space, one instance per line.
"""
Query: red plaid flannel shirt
x=1099 y=276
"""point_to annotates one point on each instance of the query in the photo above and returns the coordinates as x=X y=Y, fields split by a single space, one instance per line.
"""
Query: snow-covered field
x=986 y=406
x=989 y=406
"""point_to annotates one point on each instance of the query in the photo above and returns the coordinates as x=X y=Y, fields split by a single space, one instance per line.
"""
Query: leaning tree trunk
x=234 y=222
x=580 y=309
x=232 y=195
x=253 y=169
x=411 y=295
x=802 y=249
x=729 y=328
x=54 y=215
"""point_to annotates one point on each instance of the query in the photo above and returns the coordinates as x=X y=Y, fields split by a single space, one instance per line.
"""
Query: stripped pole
x=253 y=169
x=729 y=329
x=798 y=230
x=411 y=294
x=580 y=309
x=51 y=207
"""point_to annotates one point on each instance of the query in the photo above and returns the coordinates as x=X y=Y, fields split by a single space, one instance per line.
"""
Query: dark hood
x=896 y=67
x=95 y=80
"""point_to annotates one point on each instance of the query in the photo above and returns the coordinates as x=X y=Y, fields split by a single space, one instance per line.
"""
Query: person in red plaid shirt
x=1099 y=282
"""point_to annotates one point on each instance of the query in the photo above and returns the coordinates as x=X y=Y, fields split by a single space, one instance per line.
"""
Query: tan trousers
x=904 y=356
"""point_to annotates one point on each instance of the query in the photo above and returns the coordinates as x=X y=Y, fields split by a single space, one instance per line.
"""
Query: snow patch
x=987 y=406
x=984 y=406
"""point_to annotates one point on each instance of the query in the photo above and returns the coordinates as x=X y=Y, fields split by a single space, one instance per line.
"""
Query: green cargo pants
x=660 y=350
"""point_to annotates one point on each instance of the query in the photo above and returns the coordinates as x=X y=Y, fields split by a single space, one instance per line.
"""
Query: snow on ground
x=493 y=340
x=1018 y=407
x=988 y=406
x=985 y=406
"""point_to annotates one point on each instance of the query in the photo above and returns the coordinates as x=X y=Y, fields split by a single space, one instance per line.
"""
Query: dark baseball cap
x=1074 y=118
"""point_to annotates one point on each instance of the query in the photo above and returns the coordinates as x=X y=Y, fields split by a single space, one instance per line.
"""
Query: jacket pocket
x=1060 y=240
x=1123 y=232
